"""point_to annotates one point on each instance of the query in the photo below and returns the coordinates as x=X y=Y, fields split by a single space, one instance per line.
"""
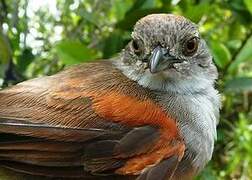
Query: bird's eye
x=136 y=47
x=191 y=46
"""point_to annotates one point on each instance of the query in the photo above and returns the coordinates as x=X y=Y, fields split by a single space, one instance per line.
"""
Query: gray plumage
x=185 y=91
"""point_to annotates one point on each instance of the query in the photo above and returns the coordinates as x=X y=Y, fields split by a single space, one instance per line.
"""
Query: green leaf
x=149 y=4
x=248 y=4
x=244 y=55
x=2 y=70
x=241 y=12
x=113 y=44
x=137 y=5
x=220 y=53
x=120 y=8
x=24 y=60
x=129 y=21
x=237 y=5
x=74 y=52
x=195 y=12
x=5 y=51
x=89 y=17
x=234 y=44
x=237 y=31
x=239 y=84
x=5 y=54
x=207 y=174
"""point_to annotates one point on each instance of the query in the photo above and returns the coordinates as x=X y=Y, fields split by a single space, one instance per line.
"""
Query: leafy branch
x=236 y=53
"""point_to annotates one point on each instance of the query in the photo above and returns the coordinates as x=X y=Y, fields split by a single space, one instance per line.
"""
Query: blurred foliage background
x=40 y=37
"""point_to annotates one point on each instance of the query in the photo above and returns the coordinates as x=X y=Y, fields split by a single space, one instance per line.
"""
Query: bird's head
x=167 y=53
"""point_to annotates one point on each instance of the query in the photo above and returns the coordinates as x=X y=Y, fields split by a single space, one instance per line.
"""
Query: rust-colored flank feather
x=132 y=112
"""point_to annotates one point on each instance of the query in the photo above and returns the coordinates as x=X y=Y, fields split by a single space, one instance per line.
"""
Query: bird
x=148 y=113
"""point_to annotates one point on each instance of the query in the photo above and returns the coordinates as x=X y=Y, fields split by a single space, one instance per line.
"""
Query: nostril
x=165 y=52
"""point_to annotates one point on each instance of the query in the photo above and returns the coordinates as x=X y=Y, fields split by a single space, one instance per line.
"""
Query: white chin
x=170 y=80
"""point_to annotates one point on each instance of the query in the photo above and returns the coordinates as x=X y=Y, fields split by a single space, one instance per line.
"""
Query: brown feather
x=86 y=105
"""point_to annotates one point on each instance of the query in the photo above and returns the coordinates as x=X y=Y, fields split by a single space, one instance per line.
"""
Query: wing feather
x=86 y=117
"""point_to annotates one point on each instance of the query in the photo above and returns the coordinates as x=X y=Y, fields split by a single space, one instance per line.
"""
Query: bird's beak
x=160 y=59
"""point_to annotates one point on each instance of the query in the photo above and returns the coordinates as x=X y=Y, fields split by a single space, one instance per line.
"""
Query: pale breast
x=197 y=116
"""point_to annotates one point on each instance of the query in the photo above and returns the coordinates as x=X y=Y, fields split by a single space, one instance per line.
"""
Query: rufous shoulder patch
x=131 y=111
